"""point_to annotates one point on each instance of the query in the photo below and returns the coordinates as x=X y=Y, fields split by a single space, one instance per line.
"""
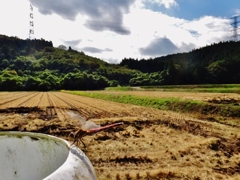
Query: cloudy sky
x=115 y=29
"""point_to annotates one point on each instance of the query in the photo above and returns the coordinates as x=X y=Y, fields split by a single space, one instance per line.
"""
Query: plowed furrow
x=74 y=105
x=42 y=100
x=62 y=116
x=16 y=102
x=31 y=101
x=50 y=113
x=52 y=106
x=97 y=109
x=58 y=102
x=107 y=108
x=7 y=100
x=58 y=106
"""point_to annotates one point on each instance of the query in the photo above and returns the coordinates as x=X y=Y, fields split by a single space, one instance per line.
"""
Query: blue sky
x=193 y=9
x=115 y=29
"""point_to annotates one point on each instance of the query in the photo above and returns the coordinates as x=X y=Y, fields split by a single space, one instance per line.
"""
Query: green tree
x=10 y=81
x=217 y=72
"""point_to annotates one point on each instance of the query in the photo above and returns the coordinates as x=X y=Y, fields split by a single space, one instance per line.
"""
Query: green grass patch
x=211 y=88
x=118 y=88
x=173 y=104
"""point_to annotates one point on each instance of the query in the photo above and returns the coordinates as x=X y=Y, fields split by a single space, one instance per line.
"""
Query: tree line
x=37 y=65
x=218 y=63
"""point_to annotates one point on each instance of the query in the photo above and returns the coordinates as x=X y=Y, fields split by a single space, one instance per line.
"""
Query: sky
x=116 y=29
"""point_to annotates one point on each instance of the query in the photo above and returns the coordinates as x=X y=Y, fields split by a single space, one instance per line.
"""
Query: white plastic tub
x=35 y=156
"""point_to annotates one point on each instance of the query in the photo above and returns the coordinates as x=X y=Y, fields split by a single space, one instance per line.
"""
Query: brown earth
x=152 y=144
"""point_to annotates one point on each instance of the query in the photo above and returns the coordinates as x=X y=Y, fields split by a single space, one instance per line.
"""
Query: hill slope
x=217 y=63
x=37 y=65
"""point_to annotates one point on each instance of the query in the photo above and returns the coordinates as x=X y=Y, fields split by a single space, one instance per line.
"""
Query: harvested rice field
x=151 y=143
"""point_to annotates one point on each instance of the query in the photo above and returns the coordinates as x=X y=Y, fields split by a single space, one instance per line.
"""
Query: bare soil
x=151 y=144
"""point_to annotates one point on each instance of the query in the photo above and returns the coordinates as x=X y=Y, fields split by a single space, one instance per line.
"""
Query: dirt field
x=152 y=144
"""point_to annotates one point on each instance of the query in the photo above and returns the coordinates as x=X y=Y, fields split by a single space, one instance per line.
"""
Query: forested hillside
x=37 y=65
x=217 y=63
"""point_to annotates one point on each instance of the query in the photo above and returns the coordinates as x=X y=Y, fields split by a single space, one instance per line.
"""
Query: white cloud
x=166 y=3
x=101 y=15
x=149 y=30
x=237 y=12
x=14 y=18
x=208 y=29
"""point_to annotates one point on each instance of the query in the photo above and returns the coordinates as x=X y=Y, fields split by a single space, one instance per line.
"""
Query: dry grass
x=162 y=152
x=152 y=144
